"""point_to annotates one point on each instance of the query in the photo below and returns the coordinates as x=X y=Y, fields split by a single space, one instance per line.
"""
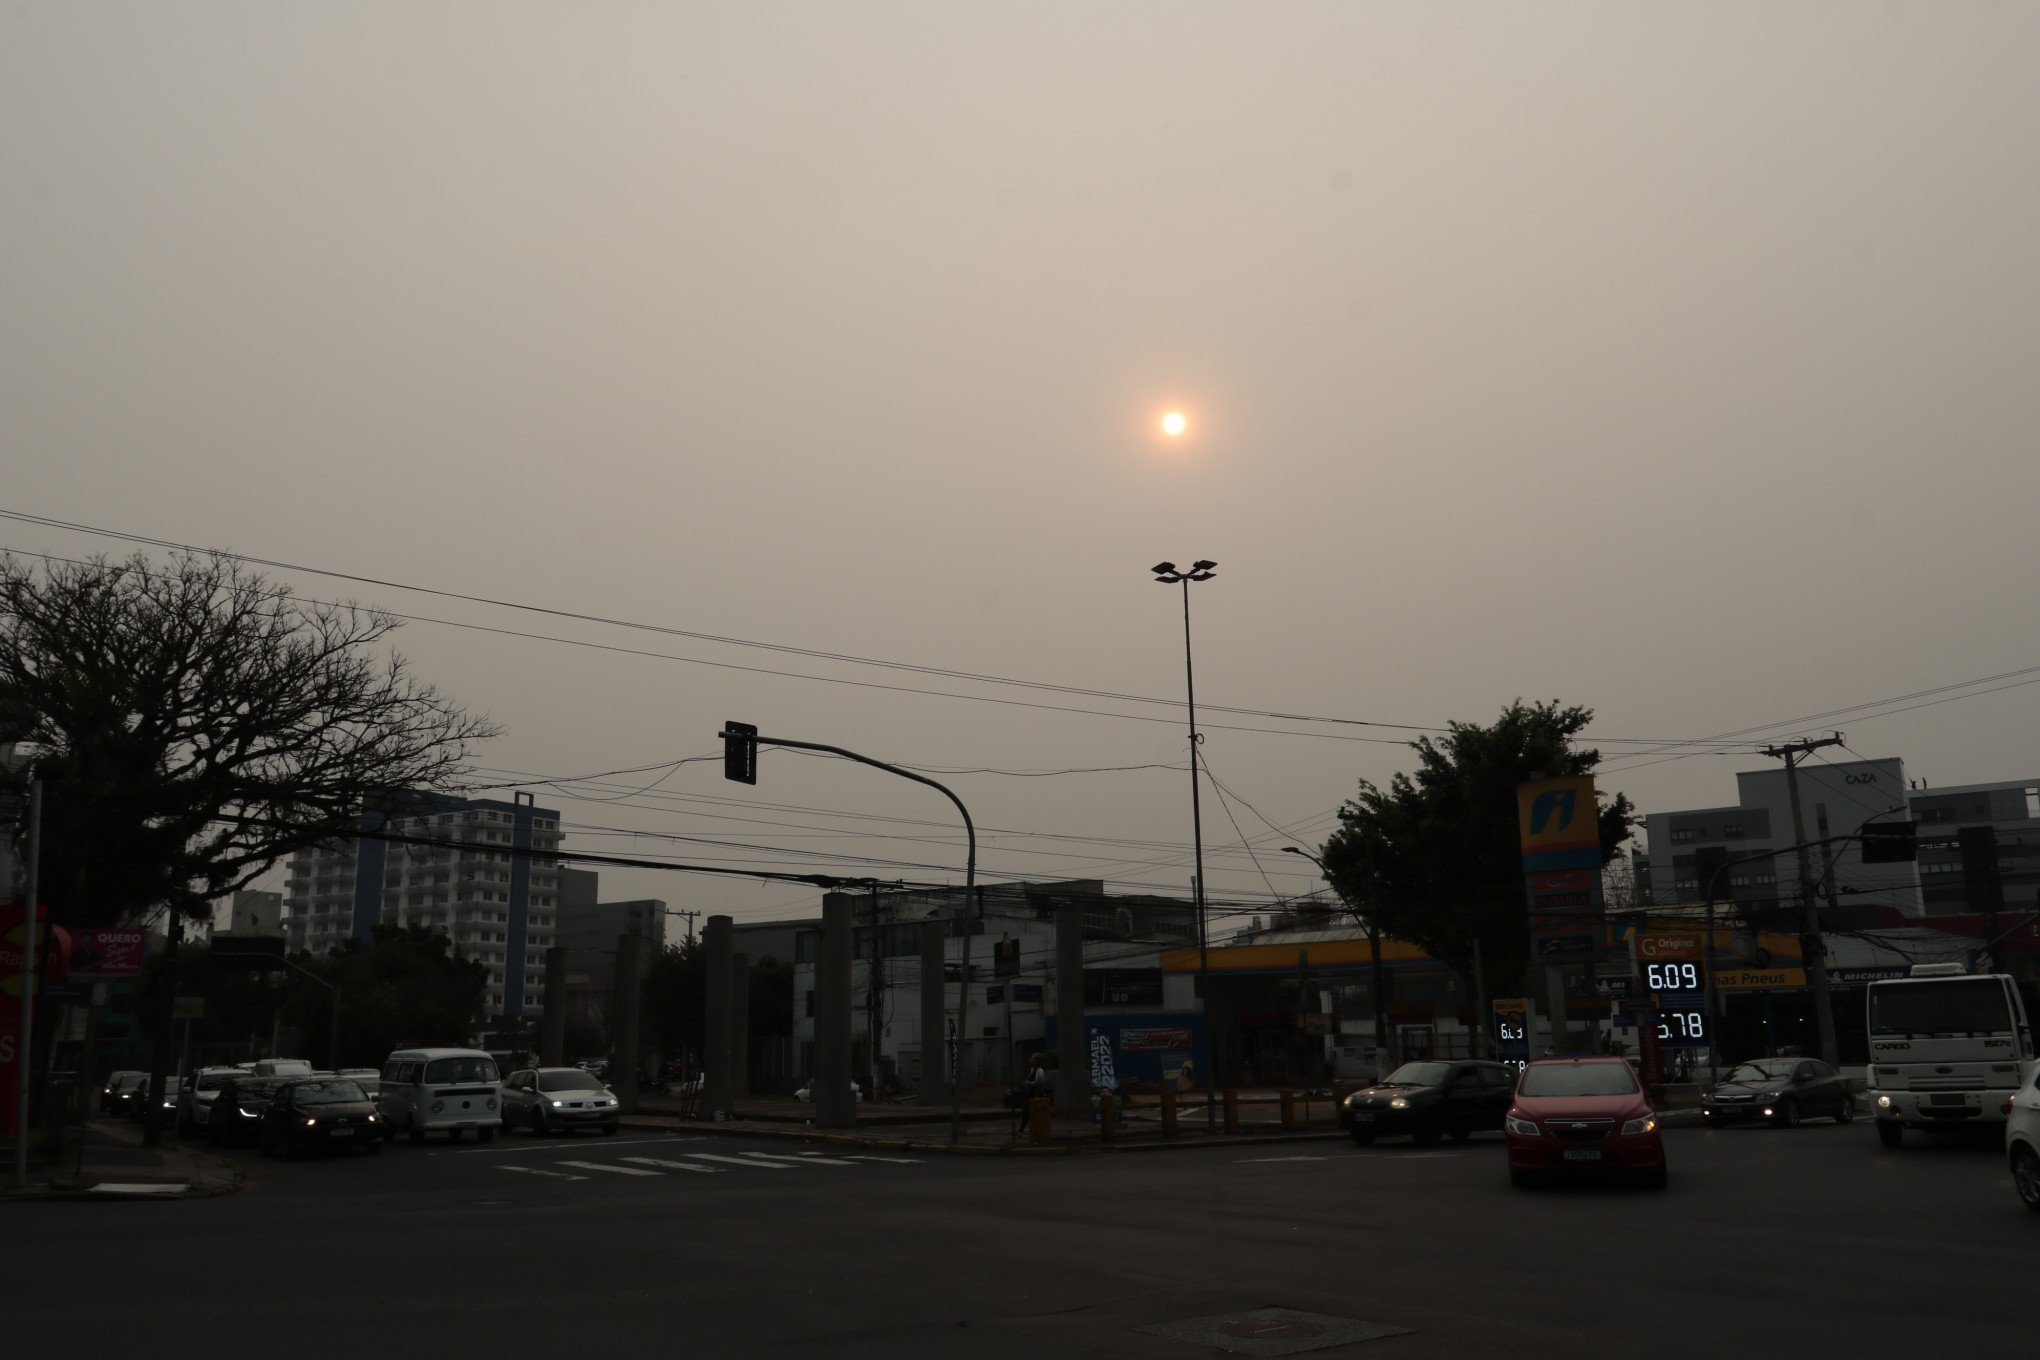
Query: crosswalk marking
x=739 y=1161
x=866 y=1157
x=604 y=1166
x=803 y=1159
x=534 y=1171
x=675 y=1166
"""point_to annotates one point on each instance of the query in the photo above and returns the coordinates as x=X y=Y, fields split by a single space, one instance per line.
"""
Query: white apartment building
x=497 y=905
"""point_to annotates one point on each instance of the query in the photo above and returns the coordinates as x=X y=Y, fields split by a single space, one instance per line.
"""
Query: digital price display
x=1681 y=993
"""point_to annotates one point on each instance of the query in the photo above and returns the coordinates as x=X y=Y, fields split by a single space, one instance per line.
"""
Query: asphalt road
x=1812 y=1240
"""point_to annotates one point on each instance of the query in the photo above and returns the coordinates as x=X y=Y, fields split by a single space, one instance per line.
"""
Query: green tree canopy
x=1434 y=858
x=405 y=990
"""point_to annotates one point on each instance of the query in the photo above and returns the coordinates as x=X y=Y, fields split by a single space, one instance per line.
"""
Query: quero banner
x=107 y=952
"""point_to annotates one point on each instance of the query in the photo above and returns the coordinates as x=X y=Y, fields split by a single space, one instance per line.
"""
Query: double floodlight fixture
x=1200 y=570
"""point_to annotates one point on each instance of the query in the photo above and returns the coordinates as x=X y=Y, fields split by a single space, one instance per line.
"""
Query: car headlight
x=311 y=1123
x=1884 y=1102
x=1641 y=1124
x=559 y=1104
x=438 y=1106
x=371 y=1119
x=1523 y=1128
x=1769 y=1097
x=247 y=1113
x=1399 y=1103
x=489 y=1104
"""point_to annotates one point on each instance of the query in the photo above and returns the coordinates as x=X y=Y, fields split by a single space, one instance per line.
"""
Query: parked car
x=325 y=1113
x=238 y=1107
x=138 y=1105
x=1582 y=1114
x=1781 y=1091
x=2022 y=1139
x=282 y=1067
x=194 y=1106
x=119 y=1091
x=1429 y=1101
x=557 y=1100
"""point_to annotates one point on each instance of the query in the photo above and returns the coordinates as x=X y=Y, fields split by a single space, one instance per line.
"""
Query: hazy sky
x=1674 y=360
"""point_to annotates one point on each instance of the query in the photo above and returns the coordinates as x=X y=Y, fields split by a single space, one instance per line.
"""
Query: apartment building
x=491 y=887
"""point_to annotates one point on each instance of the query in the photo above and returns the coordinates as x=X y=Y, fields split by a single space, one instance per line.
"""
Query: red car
x=1582 y=1114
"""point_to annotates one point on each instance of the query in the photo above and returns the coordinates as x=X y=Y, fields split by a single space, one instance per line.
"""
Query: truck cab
x=1947 y=1049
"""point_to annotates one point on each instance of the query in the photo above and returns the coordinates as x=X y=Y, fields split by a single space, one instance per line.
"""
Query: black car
x=138 y=1100
x=236 y=1112
x=1780 y=1091
x=322 y=1113
x=1429 y=1101
x=118 y=1097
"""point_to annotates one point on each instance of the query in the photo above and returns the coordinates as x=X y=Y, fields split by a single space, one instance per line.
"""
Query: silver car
x=194 y=1104
x=556 y=1100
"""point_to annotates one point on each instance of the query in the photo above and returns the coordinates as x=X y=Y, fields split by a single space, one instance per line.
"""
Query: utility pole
x=1812 y=948
x=874 y=999
x=690 y=915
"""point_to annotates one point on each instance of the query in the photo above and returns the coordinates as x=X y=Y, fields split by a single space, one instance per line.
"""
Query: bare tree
x=195 y=723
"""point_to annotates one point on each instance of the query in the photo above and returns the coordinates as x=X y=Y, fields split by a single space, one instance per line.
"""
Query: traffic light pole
x=740 y=759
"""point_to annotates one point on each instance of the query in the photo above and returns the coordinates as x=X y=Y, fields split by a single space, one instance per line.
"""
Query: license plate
x=1945 y=1100
x=1363 y=1119
x=1583 y=1154
x=342 y=1133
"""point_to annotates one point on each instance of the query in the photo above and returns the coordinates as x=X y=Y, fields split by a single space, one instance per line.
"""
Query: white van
x=440 y=1090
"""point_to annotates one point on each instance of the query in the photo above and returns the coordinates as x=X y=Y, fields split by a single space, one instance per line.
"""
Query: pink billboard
x=106 y=952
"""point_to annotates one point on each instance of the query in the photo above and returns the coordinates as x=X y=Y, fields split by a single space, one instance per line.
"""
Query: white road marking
x=534 y=1171
x=739 y=1161
x=546 y=1145
x=675 y=1166
x=804 y=1158
x=613 y=1170
x=1243 y=1161
x=867 y=1157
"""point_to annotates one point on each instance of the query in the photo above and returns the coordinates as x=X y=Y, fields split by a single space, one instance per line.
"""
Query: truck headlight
x=1884 y=1102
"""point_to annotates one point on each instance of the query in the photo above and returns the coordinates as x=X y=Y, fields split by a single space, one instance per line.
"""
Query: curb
x=813 y=1135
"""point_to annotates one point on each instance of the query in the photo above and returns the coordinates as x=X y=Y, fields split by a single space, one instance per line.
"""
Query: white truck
x=1947 y=1049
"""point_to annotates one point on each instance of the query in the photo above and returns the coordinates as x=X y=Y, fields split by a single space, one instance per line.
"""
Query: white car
x=2022 y=1138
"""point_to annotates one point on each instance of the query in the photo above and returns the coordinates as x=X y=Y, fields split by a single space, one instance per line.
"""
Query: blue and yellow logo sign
x=1559 y=825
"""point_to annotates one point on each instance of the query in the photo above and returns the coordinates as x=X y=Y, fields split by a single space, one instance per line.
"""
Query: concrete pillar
x=934 y=1016
x=716 y=1089
x=552 y=1026
x=740 y=1025
x=835 y=1107
x=1073 y=1067
x=623 y=1039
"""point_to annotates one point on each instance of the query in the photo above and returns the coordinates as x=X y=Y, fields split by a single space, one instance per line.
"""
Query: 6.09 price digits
x=1672 y=977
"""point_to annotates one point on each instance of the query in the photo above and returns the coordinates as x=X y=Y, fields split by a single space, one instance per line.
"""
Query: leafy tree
x=195 y=723
x=1434 y=857
x=406 y=989
x=674 y=1002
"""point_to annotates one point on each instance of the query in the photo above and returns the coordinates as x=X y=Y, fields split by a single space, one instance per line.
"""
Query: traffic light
x=1979 y=847
x=1708 y=863
x=1891 y=842
x=740 y=752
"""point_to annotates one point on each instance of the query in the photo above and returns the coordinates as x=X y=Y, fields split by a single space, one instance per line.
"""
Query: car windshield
x=1418 y=1074
x=1577 y=1079
x=1956 y=1006
x=131 y=1082
x=256 y=1090
x=1760 y=1071
x=212 y=1081
x=461 y=1069
x=567 y=1081
x=339 y=1091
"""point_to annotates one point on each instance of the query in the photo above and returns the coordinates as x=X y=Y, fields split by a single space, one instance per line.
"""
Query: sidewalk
x=117 y=1166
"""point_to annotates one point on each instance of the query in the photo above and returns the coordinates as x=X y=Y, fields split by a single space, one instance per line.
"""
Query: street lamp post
x=1166 y=574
